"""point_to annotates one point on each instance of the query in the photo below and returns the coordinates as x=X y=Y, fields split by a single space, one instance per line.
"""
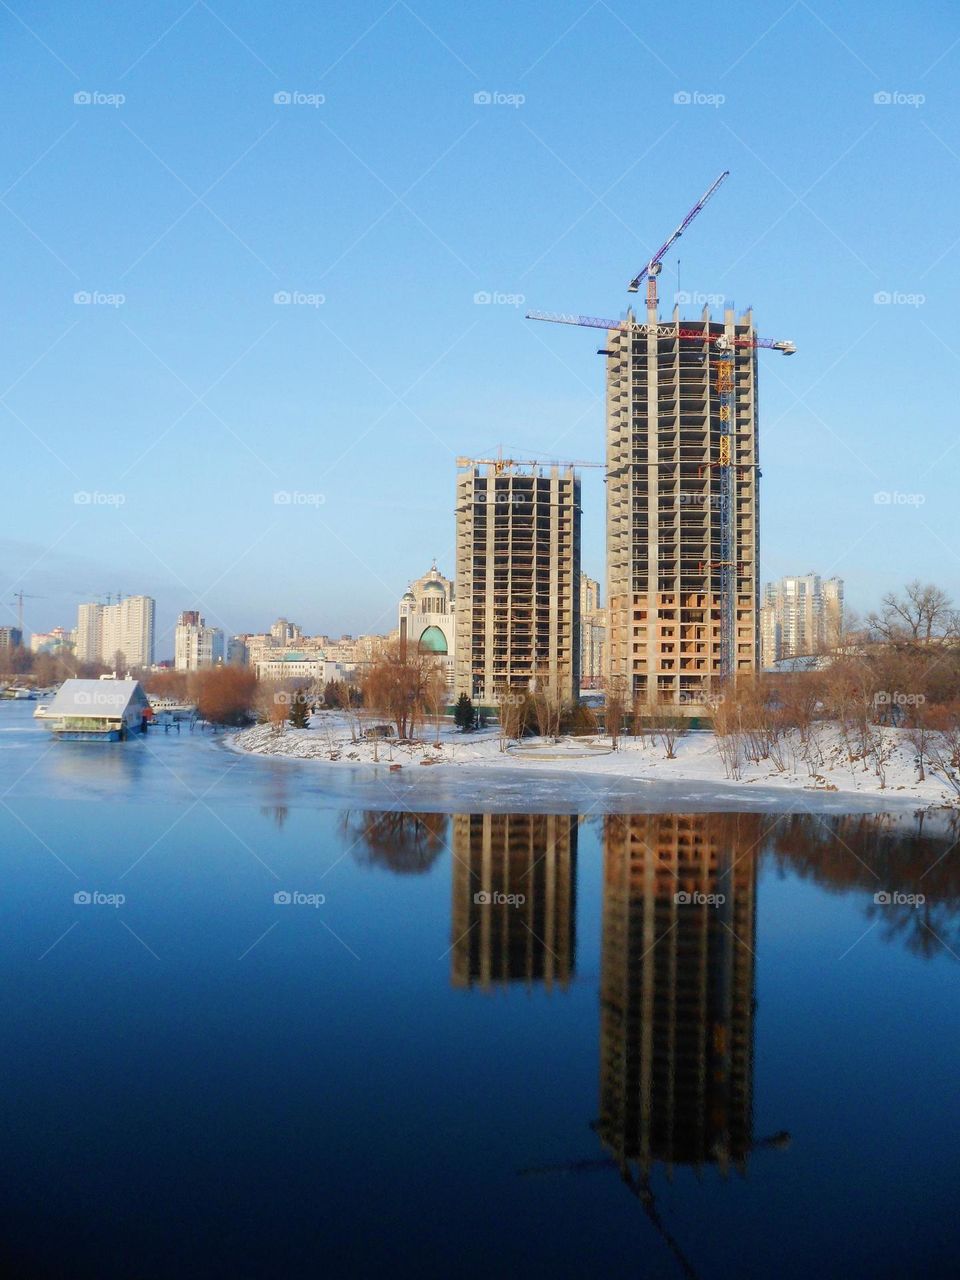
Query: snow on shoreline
x=332 y=741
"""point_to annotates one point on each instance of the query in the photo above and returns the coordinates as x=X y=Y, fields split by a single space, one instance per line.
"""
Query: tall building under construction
x=518 y=580
x=682 y=506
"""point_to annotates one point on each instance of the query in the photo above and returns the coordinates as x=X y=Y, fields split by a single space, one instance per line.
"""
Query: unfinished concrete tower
x=518 y=580
x=680 y=540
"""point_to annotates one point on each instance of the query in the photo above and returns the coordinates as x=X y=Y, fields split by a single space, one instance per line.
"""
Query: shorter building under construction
x=518 y=580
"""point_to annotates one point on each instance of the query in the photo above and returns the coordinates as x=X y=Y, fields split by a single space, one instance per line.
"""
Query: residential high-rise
x=802 y=616
x=195 y=644
x=665 y=558
x=119 y=635
x=593 y=634
x=10 y=638
x=514 y=899
x=518 y=580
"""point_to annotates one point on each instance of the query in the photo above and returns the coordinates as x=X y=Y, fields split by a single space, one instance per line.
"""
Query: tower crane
x=723 y=347
x=501 y=464
x=18 y=599
x=655 y=265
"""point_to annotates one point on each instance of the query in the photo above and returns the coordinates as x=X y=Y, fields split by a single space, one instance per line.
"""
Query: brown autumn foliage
x=402 y=688
x=225 y=695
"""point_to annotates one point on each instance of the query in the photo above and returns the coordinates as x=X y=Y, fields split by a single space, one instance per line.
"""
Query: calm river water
x=253 y=1027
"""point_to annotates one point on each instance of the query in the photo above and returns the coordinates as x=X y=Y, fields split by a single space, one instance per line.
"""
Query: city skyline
x=489 y=207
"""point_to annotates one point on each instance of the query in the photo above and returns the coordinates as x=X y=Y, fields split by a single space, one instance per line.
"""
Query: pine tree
x=463 y=714
x=300 y=709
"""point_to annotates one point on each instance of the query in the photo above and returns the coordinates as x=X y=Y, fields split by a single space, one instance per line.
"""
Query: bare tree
x=923 y=614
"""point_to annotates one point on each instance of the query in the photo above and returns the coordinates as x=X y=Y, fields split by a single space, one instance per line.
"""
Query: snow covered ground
x=810 y=775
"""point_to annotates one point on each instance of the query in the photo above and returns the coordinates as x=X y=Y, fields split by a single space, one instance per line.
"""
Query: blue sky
x=396 y=199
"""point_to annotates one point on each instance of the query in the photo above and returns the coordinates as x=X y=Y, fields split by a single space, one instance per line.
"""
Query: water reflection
x=915 y=872
x=676 y=991
x=405 y=843
x=514 y=899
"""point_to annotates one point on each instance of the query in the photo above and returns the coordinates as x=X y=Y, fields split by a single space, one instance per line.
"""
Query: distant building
x=285 y=632
x=800 y=616
x=57 y=642
x=518 y=580
x=10 y=638
x=195 y=644
x=312 y=668
x=118 y=635
x=237 y=653
x=593 y=634
x=427 y=618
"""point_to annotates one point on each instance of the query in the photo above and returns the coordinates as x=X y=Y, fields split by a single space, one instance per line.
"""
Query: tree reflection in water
x=404 y=843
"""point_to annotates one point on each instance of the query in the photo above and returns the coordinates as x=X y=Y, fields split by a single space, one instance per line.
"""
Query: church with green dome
x=427 y=617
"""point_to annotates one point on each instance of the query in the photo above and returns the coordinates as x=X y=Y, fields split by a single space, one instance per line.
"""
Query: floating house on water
x=98 y=710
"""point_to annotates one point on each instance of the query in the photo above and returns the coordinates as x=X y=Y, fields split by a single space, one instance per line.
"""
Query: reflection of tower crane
x=654 y=266
x=639 y=1184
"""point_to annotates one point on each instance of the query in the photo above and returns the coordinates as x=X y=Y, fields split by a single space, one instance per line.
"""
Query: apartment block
x=593 y=634
x=801 y=616
x=673 y=406
x=518 y=580
x=195 y=644
x=118 y=635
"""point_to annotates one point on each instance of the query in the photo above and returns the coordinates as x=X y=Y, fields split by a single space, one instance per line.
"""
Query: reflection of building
x=801 y=616
x=518 y=579
x=593 y=634
x=676 y=1038
x=195 y=644
x=514 y=898
x=427 y=618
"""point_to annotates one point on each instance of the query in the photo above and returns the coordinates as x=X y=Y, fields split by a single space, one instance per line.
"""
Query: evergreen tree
x=300 y=709
x=463 y=714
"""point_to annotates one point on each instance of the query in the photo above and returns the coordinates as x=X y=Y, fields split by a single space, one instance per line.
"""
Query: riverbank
x=803 y=776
